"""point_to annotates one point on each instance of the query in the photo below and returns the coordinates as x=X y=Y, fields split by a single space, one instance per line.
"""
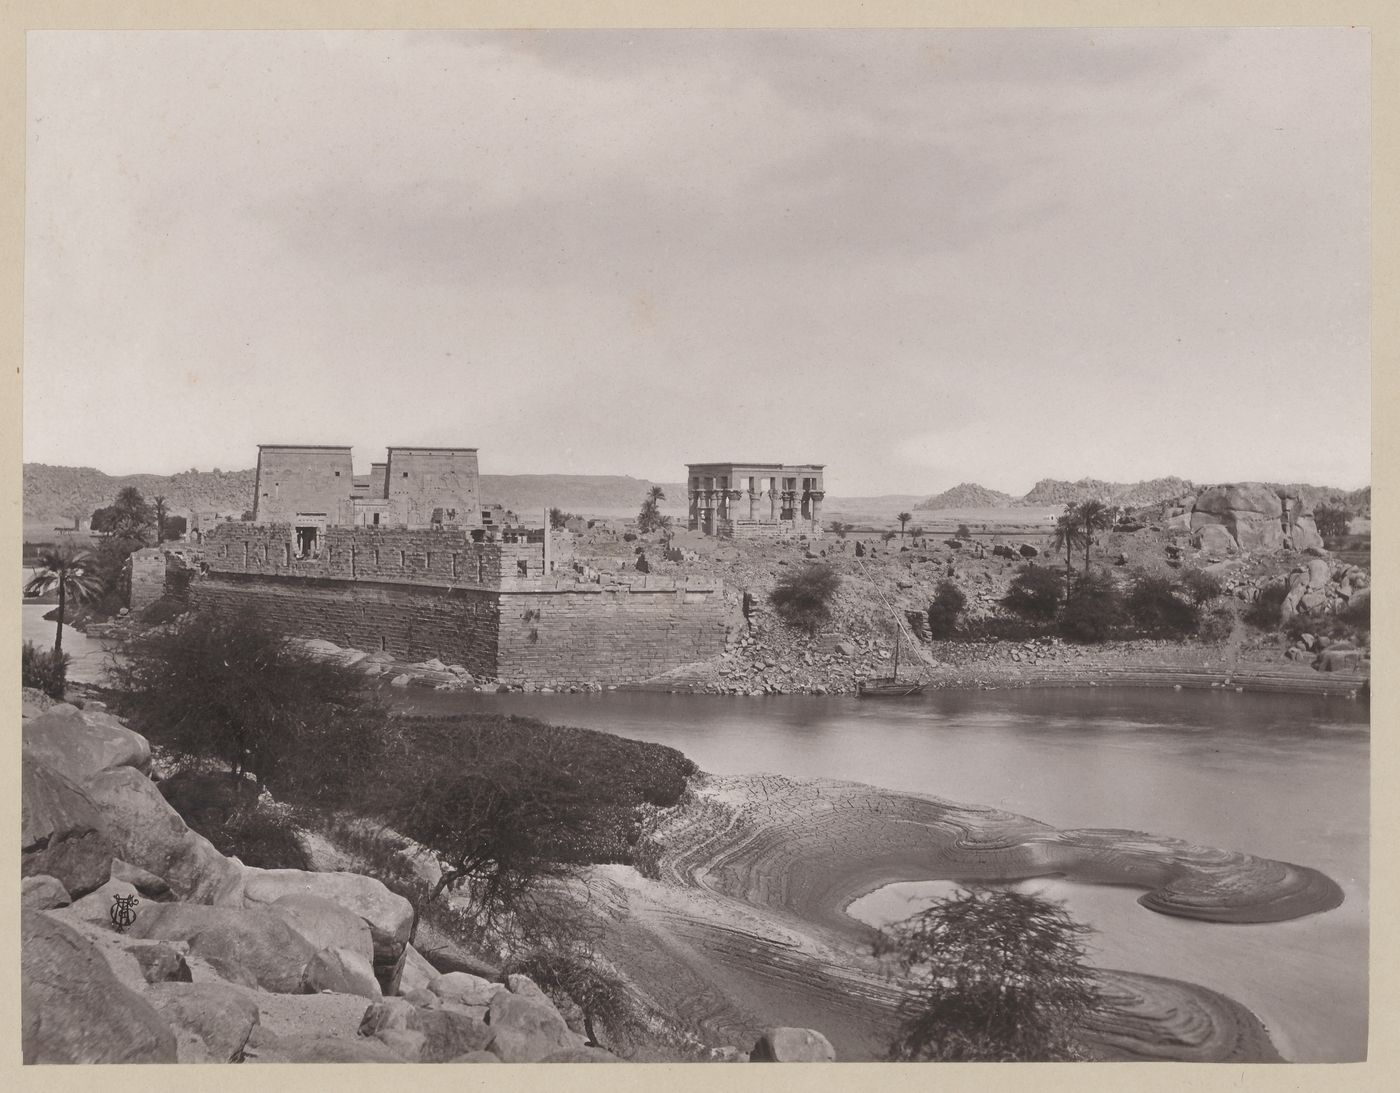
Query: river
x=1282 y=776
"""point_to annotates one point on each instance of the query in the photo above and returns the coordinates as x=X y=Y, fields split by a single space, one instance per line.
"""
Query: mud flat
x=749 y=926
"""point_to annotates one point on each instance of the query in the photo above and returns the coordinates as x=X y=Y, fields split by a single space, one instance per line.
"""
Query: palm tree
x=1093 y=515
x=159 y=502
x=656 y=494
x=1068 y=537
x=63 y=566
x=903 y=518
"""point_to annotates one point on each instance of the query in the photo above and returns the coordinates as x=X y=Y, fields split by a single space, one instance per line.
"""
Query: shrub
x=1216 y=625
x=1092 y=609
x=162 y=611
x=1264 y=612
x=231 y=688
x=964 y=532
x=948 y=603
x=1333 y=521
x=264 y=837
x=1201 y=586
x=572 y=975
x=991 y=976
x=1156 y=609
x=803 y=599
x=1034 y=593
x=44 y=670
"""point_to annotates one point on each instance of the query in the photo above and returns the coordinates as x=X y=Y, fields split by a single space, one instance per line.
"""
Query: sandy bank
x=748 y=924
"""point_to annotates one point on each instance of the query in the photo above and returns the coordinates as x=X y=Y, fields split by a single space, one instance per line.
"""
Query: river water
x=1282 y=776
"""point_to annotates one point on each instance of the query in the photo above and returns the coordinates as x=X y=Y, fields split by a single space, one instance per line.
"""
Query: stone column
x=694 y=510
x=773 y=505
x=817 y=496
x=753 y=504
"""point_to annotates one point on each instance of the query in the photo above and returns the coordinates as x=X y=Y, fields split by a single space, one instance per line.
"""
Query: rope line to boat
x=899 y=619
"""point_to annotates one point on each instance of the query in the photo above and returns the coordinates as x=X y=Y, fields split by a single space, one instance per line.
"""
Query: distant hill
x=57 y=494
x=1054 y=491
x=967 y=495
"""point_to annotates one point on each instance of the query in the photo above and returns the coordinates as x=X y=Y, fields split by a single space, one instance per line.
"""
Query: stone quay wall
x=420 y=594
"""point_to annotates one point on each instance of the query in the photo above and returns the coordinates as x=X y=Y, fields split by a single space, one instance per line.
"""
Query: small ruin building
x=756 y=500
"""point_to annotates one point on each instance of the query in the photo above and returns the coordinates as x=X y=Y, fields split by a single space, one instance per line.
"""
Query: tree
x=67 y=568
x=230 y=687
x=903 y=518
x=1092 y=609
x=558 y=519
x=1201 y=586
x=650 y=517
x=964 y=532
x=175 y=526
x=1333 y=521
x=1034 y=594
x=1068 y=537
x=948 y=603
x=803 y=599
x=132 y=517
x=1156 y=608
x=991 y=976
x=1093 y=516
x=159 y=504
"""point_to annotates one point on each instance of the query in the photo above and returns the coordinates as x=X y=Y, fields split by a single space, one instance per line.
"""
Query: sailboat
x=891 y=686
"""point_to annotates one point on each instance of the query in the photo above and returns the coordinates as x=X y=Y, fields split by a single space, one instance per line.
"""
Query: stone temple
x=756 y=500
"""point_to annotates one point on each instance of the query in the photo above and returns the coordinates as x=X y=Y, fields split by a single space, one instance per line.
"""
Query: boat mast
x=896 y=648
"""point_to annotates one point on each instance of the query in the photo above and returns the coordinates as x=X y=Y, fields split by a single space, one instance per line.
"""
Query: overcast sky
x=920 y=257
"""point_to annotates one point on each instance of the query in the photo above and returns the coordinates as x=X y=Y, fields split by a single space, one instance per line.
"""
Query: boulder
x=343 y=971
x=405 y=1043
x=385 y=1014
x=43 y=893
x=62 y=831
x=161 y=963
x=388 y=916
x=465 y=989
x=1251 y=512
x=324 y=923
x=79 y=744
x=1214 y=539
x=792 y=1045
x=241 y=944
x=325 y=1049
x=150 y=834
x=75 y=1010
x=449 y=1033
x=212 y=1021
x=416 y=973
x=146 y=883
x=526 y=1030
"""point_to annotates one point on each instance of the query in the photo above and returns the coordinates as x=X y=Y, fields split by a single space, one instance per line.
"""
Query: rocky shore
x=757 y=873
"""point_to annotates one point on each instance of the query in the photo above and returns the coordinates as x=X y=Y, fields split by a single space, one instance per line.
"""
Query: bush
x=1265 y=611
x=231 y=688
x=1216 y=625
x=43 y=670
x=948 y=603
x=1333 y=521
x=264 y=837
x=1092 y=609
x=162 y=611
x=991 y=976
x=572 y=975
x=1200 y=586
x=1034 y=593
x=803 y=599
x=1156 y=609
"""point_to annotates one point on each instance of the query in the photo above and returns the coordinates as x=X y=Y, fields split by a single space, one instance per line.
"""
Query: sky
x=919 y=257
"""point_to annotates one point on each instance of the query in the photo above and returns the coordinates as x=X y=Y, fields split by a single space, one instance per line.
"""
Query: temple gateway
x=756 y=500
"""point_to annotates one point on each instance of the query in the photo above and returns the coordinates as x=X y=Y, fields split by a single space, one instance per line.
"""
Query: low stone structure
x=503 y=608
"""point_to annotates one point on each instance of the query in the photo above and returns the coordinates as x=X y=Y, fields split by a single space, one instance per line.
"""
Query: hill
x=1054 y=491
x=967 y=495
x=55 y=495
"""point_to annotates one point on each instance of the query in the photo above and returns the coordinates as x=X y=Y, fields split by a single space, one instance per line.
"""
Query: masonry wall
x=458 y=626
x=419 y=556
x=146 y=569
x=421 y=480
x=301 y=479
x=617 y=635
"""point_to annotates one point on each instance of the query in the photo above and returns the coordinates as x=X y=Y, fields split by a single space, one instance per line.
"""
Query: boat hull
x=889 y=688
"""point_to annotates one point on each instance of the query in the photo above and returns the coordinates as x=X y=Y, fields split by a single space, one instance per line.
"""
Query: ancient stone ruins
x=406 y=561
x=756 y=500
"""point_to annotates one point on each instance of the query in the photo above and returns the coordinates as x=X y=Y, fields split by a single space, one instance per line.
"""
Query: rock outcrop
x=1248 y=516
